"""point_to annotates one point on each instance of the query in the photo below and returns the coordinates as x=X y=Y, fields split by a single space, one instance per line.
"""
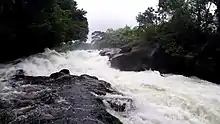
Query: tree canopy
x=186 y=29
x=29 y=26
x=115 y=38
x=181 y=26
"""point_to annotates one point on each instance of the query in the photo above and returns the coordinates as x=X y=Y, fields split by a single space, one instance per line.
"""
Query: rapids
x=173 y=99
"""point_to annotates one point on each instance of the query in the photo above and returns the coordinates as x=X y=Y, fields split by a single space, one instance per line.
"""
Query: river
x=173 y=99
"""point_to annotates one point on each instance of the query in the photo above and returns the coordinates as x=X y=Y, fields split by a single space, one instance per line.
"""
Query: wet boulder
x=60 y=73
x=139 y=58
x=136 y=60
x=58 y=99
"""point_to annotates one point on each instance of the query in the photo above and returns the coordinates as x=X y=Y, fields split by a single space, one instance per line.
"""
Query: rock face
x=59 y=99
x=140 y=58
x=150 y=57
x=137 y=59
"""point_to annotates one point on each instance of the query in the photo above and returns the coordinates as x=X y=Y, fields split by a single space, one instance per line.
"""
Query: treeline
x=115 y=38
x=29 y=26
x=189 y=28
x=187 y=32
x=186 y=24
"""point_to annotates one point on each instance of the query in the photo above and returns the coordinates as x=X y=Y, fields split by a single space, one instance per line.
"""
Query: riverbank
x=154 y=57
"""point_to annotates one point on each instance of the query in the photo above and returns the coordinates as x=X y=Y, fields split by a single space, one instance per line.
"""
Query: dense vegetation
x=29 y=26
x=187 y=30
x=115 y=38
x=180 y=25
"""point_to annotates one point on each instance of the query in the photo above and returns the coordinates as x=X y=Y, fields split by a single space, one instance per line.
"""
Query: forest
x=29 y=26
x=187 y=30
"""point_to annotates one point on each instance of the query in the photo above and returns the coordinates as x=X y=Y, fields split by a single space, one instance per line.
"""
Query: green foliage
x=149 y=17
x=29 y=26
x=115 y=38
x=185 y=28
x=180 y=26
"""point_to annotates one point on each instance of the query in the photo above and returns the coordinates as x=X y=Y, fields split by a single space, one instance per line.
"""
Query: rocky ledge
x=154 y=57
x=60 y=98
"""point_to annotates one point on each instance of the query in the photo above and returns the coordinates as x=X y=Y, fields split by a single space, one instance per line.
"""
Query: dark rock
x=19 y=73
x=84 y=76
x=60 y=98
x=48 y=97
x=136 y=60
x=149 y=57
x=126 y=62
x=55 y=75
x=65 y=71
x=22 y=103
x=109 y=52
x=117 y=106
x=154 y=57
x=125 y=49
x=120 y=104
x=4 y=116
x=31 y=88
x=4 y=104
x=59 y=74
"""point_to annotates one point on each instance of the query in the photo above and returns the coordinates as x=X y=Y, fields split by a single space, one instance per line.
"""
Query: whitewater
x=170 y=99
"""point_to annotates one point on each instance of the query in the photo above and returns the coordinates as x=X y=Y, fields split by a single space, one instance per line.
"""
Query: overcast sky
x=103 y=14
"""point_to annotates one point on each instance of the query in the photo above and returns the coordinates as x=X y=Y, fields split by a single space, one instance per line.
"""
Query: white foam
x=158 y=100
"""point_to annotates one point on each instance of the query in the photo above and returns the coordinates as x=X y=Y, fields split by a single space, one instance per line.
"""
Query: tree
x=115 y=38
x=38 y=24
x=97 y=36
x=149 y=17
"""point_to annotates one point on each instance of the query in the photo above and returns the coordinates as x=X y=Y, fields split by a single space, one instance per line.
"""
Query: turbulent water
x=156 y=100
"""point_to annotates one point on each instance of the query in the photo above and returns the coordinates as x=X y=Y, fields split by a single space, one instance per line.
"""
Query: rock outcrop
x=151 y=57
x=138 y=59
x=59 y=99
x=154 y=57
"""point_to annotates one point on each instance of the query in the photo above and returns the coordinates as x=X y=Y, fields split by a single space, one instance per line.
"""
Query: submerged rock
x=58 y=99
